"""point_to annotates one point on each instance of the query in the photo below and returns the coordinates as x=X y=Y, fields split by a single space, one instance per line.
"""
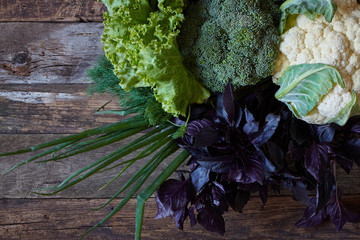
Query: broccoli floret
x=235 y=40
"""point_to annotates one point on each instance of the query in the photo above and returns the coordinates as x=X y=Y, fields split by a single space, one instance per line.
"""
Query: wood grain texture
x=48 y=53
x=55 y=10
x=45 y=108
x=20 y=182
x=70 y=218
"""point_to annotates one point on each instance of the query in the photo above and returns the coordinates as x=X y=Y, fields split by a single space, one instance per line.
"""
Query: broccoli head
x=234 y=40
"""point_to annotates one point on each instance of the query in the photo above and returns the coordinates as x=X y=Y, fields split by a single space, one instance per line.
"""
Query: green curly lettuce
x=140 y=41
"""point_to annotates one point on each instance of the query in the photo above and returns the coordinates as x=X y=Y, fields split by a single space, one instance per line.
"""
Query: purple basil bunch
x=240 y=146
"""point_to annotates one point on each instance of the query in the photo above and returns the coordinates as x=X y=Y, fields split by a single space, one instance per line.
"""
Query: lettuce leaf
x=140 y=41
x=310 y=8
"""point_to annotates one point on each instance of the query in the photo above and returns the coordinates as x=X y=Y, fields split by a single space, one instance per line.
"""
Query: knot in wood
x=21 y=58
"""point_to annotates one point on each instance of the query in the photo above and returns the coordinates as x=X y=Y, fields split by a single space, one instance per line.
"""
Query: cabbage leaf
x=310 y=8
x=140 y=41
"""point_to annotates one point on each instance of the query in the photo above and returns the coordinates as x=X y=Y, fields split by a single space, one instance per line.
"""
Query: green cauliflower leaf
x=303 y=87
x=310 y=8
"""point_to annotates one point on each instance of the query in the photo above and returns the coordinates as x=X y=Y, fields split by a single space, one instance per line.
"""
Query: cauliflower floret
x=336 y=44
x=336 y=100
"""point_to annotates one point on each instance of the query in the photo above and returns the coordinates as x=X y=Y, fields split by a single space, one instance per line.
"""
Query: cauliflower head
x=336 y=44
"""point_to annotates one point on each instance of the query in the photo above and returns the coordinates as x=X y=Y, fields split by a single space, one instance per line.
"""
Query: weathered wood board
x=55 y=10
x=48 y=53
x=20 y=182
x=49 y=108
x=38 y=219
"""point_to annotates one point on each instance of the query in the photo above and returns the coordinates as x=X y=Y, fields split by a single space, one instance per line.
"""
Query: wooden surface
x=54 y=10
x=45 y=48
x=38 y=219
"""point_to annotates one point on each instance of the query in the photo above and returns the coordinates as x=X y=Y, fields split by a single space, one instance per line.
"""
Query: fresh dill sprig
x=137 y=100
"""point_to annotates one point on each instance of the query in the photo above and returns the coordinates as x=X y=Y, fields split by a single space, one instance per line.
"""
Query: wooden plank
x=70 y=218
x=52 y=109
x=51 y=10
x=48 y=53
x=19 y=183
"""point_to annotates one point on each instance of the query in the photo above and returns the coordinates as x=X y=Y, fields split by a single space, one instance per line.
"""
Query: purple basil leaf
x=298 y=190
x=196 y=153
x=352 y=148
x=220 y=110
x=181 y=175
x=239 y=114
x=251 y=126
x=225 y=107
x=355 y=127
x=339 y=214
x=250 y=187
x=299 y=131
x=236 y=175
x=324 y=133
x=261 y=137
x=252 y=167
x=218 y=196
x=228 y=101
x=207 y=137
x=199 y=177
x=193 y=128
x=325 y=191
x=218 y=164
x=263 y=192
x=240 y=199
x=178 y=121
x=171 y=196
x=200 y=111
x=276 y=154
x=211 y=219
x=276 y=188
x=192 y=217
x=180 y=216
x=297 y=151
x=269 y=168
x=192 y=163
x=317 y=160
x=345 y=162
x=311 y=217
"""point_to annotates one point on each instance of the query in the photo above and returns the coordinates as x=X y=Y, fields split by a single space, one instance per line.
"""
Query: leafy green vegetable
x=310 y=8
x=235 y=40
x=302 y=86
x=136 y=100
x=140 y=40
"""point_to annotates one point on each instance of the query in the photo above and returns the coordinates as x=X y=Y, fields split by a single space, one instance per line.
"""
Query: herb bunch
x=249 y=145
